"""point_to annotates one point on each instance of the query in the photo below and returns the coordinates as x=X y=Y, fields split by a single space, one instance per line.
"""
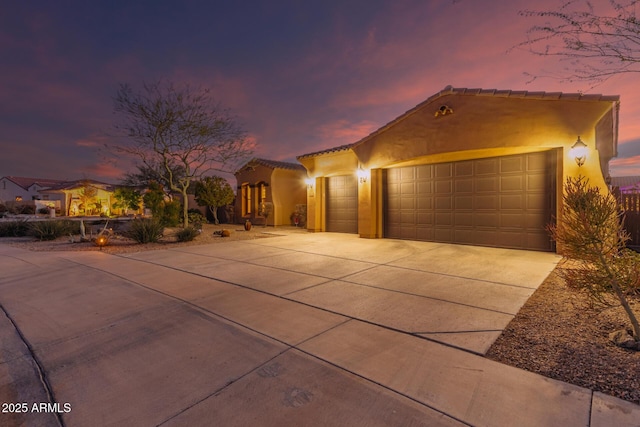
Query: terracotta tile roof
x=521 y=94
x=274 y=164
x=328 y=150
x=67 y=185
x=28 y=182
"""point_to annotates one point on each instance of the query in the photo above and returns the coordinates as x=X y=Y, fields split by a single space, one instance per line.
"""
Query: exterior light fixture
x=579 y=152
x=101 y=241
x=309 y=182
x=362 y=175
x=443 y=111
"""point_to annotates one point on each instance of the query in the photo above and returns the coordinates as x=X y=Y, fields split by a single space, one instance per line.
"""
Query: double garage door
x=500 y=201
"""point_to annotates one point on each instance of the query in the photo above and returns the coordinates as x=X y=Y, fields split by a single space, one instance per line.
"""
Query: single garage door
x=499 y=201
x=342 y=204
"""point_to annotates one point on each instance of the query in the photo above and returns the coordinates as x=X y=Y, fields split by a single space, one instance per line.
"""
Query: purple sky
x=300 y=76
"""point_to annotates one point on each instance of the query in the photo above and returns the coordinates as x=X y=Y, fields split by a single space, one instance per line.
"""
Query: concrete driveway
x=304 y=329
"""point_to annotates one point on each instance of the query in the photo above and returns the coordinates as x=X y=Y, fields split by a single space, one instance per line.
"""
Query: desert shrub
x=145 y=230
x=18 y=228
x=171 y=215
x=44 y=211
x=51 y=230
x=28 y=210
x=3 y=208
x=592 y=239
x=196 y=219
x=187 y=234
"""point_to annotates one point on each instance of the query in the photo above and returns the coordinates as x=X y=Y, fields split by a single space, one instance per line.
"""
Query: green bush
x=18 y=228
x=51 y=230
x=187 y=234
x=171 y=214
x=145 y=230
x=196 y=219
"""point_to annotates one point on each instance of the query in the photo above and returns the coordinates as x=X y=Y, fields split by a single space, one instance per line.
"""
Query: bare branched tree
x=595 y=43
x=171 y=129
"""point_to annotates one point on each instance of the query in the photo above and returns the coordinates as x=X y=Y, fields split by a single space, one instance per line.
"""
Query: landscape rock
x=621 y=338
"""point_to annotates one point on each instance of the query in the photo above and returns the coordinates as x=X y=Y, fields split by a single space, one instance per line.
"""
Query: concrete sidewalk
x=317 y=329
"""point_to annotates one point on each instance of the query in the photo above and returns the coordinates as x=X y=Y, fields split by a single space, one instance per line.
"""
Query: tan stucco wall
x=480 y=126
x=286 y=188
x=485 y=126
x=319 y=167
x=289 y=190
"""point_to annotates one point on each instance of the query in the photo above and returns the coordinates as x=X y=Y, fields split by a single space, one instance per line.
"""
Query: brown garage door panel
x=342 y=204
x=502 y=201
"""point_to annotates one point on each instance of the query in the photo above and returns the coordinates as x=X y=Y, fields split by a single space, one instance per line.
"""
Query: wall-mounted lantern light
x=309 y=182
x=579 y=152
x=362 y=175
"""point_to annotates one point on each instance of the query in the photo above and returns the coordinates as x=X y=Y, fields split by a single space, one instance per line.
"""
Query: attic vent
x=444 y=110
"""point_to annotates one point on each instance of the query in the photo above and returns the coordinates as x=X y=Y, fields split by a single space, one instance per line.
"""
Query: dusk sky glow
x=300 y=76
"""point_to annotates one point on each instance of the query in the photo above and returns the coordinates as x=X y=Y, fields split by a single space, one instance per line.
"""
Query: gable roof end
x=450 y=90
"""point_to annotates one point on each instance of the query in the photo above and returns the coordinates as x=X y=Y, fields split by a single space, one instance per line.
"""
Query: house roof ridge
x=26 y=182
x=276 y=164
x=328 y=150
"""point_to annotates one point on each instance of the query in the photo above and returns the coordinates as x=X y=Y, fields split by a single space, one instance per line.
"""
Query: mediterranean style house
x=272 y=187
x=470 y=166
x=70 y=198
x=85 y=197
x=21 y=189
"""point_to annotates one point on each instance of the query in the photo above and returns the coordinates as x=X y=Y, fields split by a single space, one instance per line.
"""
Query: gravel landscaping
x=558 y=333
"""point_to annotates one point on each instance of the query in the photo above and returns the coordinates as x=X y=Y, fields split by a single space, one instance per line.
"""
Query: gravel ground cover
x=560 y=334
x=118 y=243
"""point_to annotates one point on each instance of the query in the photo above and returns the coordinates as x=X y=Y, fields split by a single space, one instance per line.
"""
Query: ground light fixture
x=101 y=241
x=579 y=152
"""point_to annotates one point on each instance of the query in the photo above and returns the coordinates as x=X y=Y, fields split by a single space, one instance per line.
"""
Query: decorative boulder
x=622 y=339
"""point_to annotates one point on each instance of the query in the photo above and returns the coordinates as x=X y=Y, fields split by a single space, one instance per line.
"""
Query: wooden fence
x=631 y=205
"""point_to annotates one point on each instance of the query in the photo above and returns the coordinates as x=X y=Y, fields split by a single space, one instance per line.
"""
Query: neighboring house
x=20 y=189
x=470 y=166
x=262 y=182
x=626 y=184
x=83 y=197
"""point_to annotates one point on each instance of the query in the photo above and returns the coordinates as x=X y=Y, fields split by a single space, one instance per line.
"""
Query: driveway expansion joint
x=42 y=373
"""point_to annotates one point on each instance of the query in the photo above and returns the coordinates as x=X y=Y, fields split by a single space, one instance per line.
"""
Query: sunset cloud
x=298 y=77
x=342 y=132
